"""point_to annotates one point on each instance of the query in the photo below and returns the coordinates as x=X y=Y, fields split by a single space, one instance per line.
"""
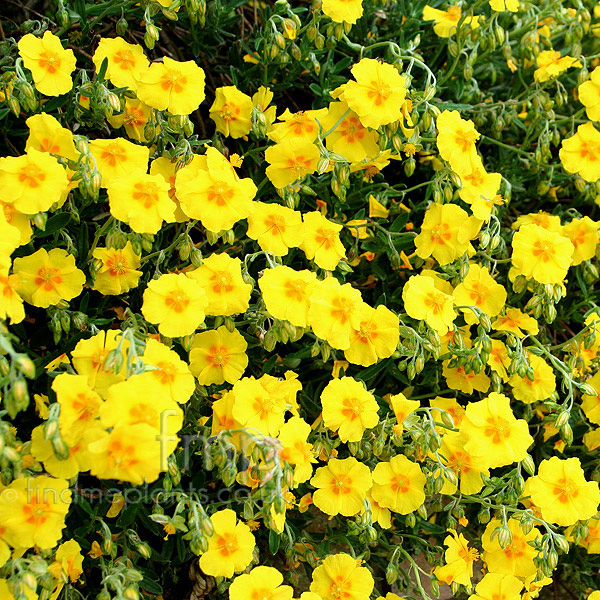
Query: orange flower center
x=113 y=154
x=454 y=13
x=300 y=165
x=295 y=289
x=478 y=293
x=340 y=311
x=173 y=81
x=120 y=454
x=116 y=265
x=47 y=145
x=218 y=356
x=544 y=250
x=379 y=92
x=227 y=544
x=325 y=237
x=565 y=490
x=400 y=483
x=31 y=176
x=589 y=151
x=146 y=193
x=465 y=138
x=48 y=278
x=435 y=301
x=498 y=429
x=230 y=112
x=37 y=511
x=165 y=372
x=49 y=61
x=352 y=130
x=125 y=59
x=275 y=224
x=177 y=300
x=222 y=282
x=440 y=233
x=352 y=408
x=220 y=193
x=336 y=589
x=341 y=485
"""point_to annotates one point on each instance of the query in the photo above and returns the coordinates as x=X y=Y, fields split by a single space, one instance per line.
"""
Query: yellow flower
x=119 y=158
x=479 y=289
x=493 y=432
x=499 y=361
x=11 y=304
x=458 y=379
x=581 y=152
x=334 y=311
x=118 y=273
x=502 y=5
x=286 y=293
x=177 y=87
x=33 y=182
x=445 y=233
x=376 y=209
x=494 y=586
x=583 y=234
x=290 y=160
x=230 y=546
x=516 y=321
x=378 y=93
x=46 y=278
x=399 y=485
x=168 y=171
x=459 y=559
x=89 y=357
x=170 y=374
x=220 y=276
x=142 y=201
x=134 y=117
x=452 y=407
x=343 y=11
x=275 y=227
x=321 y=241
x=376 y=337
x=302 y=124
x=46 y=134
x=456 y=141
x=480 y=189
x=175 y=303
x=517 y=558
x=348 y=408
x=232 y=112
x=33 y=511
x=541 y=255
x=341 y=576
x=218 y=355
x=589 y=95
x=125 y=62
x=296 y=449
x=468 y=468
x=542 y=386
x=50 y=64
x=70 y=559
x=257 y=408
x=423 y=301
x=402 y=407
x=562 y=493
x=551 y=64
x=350 y=138
x=446 y=21
x=214 y=193
x=342 y=486
x=260 y=582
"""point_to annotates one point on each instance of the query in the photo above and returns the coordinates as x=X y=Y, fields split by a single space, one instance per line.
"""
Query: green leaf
x=274 y=541
x=54 y=224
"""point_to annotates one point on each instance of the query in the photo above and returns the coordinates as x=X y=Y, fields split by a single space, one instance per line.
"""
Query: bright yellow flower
x=46 y=278
x=125 y=62
x=220 y=276
x=118 y=273
x=218 y=355
x=50 y=64
x=46 y=134
x=378 y=93
x=232 y=112
x=348 y=408
x=452 y=407
x=119 y=158
x=177 y=87
x=581 y=153
x=11 y=304
x=302 y=124
x=402 y=407
x=170 y=374
x=480 y=189
x=230 y=546
x=562 y=493
x=479 y=289
x=446 y=21
x=550 y=65
x=541 y=255
x=499 y=361
x=33 y=182
x=342 y=486
x=290 y=160
x=376 y=337
x=340 y=11
x=321 y=241
x=591 y=403
x=494 y=586
x=468 y=468
x=456 y=141
x=493 y=432
x=502 y=5
x=214 y=193
x=286 y=293
x=275 y=227
x=350 y=138
x=296 y=449
x=458 y=558
x=445 y=233
x=33 y=511
x=168 y=171
x=458 y=379
x=134 y=117
x=175 y=303
x=542 y=386
x=257 y=408
x=516 y=322
x=89 y=357
x=142 y=201
x=334 y=311
x=583 y=234
x=398 y=485
x=341 y=576
x=423 y=301
x=260 y=582
x=70 y=559
x=517 y=557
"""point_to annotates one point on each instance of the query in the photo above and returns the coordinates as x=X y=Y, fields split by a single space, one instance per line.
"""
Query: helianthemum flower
x=46 y=134
x=290 y=160
x=446 y=21
x=256 y=407
x=551 y=64
x=176 y=303
x=423 y=301
x=125 y=62
x=119 y=158
x=343 y=11
x=341 y=577
x=580 y=153
x=232 y=112
x=260 y=582
x=458 y=558
x=50 y=64
x=456 y=140
x=118 y=271
x=480 y=290
x=321 y=241
x=275 y=227
x=399 y=485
